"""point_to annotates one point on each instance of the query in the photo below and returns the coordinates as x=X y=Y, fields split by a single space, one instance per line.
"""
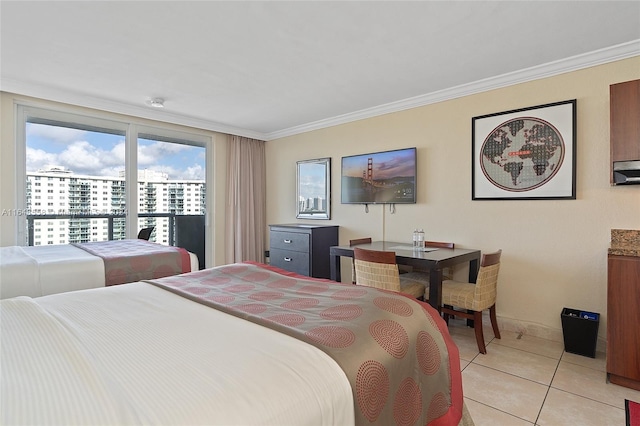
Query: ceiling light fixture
x=156 y=102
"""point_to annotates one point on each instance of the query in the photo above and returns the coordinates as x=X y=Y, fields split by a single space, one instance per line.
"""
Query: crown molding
x=77 y=99
x=574 y=63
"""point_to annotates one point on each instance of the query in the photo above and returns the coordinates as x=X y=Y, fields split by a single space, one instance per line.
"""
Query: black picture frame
x=525 y=154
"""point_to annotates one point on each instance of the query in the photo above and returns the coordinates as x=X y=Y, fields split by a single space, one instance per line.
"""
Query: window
x=131 y=168
x=65 y=147
x=167 y=164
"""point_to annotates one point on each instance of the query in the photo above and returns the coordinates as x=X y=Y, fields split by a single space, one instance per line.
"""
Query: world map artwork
x=522 y=154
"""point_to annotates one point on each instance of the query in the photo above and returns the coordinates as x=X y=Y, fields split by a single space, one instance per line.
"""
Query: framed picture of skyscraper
x=525 y=154
x=313 y=187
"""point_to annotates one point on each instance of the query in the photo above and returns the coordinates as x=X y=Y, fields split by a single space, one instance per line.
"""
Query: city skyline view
x=90 y=208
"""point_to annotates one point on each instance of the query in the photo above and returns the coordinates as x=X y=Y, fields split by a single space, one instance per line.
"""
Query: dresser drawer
x=294 y=261
x=294 y=241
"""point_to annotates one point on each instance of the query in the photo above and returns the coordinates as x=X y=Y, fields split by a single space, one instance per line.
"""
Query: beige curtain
x=246 y=200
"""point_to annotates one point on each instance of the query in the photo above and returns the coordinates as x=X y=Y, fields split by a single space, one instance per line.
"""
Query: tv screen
x=387 y=177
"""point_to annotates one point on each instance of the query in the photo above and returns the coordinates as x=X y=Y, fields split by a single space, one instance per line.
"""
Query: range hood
x=626 y=172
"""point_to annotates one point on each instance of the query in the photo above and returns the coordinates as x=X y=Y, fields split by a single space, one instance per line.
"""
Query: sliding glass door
x=171 y=184
x=88 y=178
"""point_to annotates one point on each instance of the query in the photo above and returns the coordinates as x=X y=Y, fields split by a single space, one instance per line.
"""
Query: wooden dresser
x=303 y=249
x=623 y=309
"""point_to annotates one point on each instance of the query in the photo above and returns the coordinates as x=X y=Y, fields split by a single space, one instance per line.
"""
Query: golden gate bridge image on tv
x=383 y=177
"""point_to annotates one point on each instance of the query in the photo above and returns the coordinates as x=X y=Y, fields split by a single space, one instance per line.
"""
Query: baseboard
x=536 y=330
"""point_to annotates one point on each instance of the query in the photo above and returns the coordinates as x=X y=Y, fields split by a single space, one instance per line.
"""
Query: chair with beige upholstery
x=352 y=243
x=379 y=269
x=475 y=298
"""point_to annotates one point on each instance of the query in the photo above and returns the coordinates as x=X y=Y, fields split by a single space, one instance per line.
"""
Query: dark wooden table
x=433 y=261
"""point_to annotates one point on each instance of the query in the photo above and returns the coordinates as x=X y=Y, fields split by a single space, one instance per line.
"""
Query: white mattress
x=137 y=354
x=49 y=269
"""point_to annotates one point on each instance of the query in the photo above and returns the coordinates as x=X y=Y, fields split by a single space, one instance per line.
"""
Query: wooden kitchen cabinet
x=623 y=321
x=624 y=121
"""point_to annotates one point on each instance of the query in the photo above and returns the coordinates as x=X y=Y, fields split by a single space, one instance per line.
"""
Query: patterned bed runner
x=402 y=365
x=127 y=261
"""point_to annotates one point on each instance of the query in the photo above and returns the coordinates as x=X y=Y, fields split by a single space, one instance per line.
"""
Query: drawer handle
x=287 y=259
x=287 y=241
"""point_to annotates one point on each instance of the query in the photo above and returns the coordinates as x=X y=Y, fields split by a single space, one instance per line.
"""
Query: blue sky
x=102 y=154
x=312 y=180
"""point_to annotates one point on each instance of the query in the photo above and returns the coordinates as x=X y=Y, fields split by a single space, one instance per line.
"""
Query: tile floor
x=525 y=380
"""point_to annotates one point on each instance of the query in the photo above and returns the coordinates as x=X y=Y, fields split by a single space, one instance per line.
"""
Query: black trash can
x=580 y=331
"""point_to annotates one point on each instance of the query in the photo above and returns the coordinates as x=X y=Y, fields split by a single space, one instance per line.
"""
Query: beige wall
x=8 y=102
x=554 y=252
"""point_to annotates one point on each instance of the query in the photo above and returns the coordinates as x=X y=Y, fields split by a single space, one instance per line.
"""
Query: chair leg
x=477 y=318
x=494 y=321
x=446 y=316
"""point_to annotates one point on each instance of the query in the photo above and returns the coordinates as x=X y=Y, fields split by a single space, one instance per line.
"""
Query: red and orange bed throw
x=127 y=261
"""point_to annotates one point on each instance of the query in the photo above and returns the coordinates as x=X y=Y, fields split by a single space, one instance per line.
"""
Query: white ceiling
x=270 y=69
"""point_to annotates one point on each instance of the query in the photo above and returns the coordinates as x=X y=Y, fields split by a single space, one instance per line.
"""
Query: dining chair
x=473 y=298
x=355 y=242
x=145 y=233
x=379 y=269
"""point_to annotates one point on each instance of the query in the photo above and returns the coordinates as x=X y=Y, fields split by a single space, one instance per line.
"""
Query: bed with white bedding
x=42 y=270
x=242 y=344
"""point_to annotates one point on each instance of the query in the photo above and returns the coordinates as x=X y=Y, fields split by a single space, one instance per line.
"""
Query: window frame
x=131 y=129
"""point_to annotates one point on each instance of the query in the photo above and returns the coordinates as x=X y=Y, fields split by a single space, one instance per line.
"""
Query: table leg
x=435 y=288
x=474 y=266
x=334 y=267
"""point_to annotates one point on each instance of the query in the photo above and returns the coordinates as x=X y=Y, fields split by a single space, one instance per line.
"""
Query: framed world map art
x=525 y=154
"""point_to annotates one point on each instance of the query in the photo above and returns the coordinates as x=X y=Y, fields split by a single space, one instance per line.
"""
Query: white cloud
x=80 y=157
x=83 y=157
x=193 y=172
x=39 y=159
x=149 y=154
x=55 y=133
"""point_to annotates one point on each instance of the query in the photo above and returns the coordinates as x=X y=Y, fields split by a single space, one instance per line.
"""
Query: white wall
x=217 y=159
x=554 y=251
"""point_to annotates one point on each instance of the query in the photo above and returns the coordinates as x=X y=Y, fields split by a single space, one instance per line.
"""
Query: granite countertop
x=625 y=242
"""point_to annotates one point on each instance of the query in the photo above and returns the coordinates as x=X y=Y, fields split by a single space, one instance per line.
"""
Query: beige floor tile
x=483 y=415
x=505 y=392
x=591 y=384
x=465 y=338
x=519 y=363
x=531 y=344
x=466 y=345
x=598 y=363
x=563 y=408
x=463 y=364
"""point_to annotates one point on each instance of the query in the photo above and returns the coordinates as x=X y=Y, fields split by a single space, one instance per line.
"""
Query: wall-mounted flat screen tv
x=387 y=177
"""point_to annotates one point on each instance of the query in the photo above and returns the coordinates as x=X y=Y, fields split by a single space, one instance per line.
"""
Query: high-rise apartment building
x=56 y=191
x=313 y=204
